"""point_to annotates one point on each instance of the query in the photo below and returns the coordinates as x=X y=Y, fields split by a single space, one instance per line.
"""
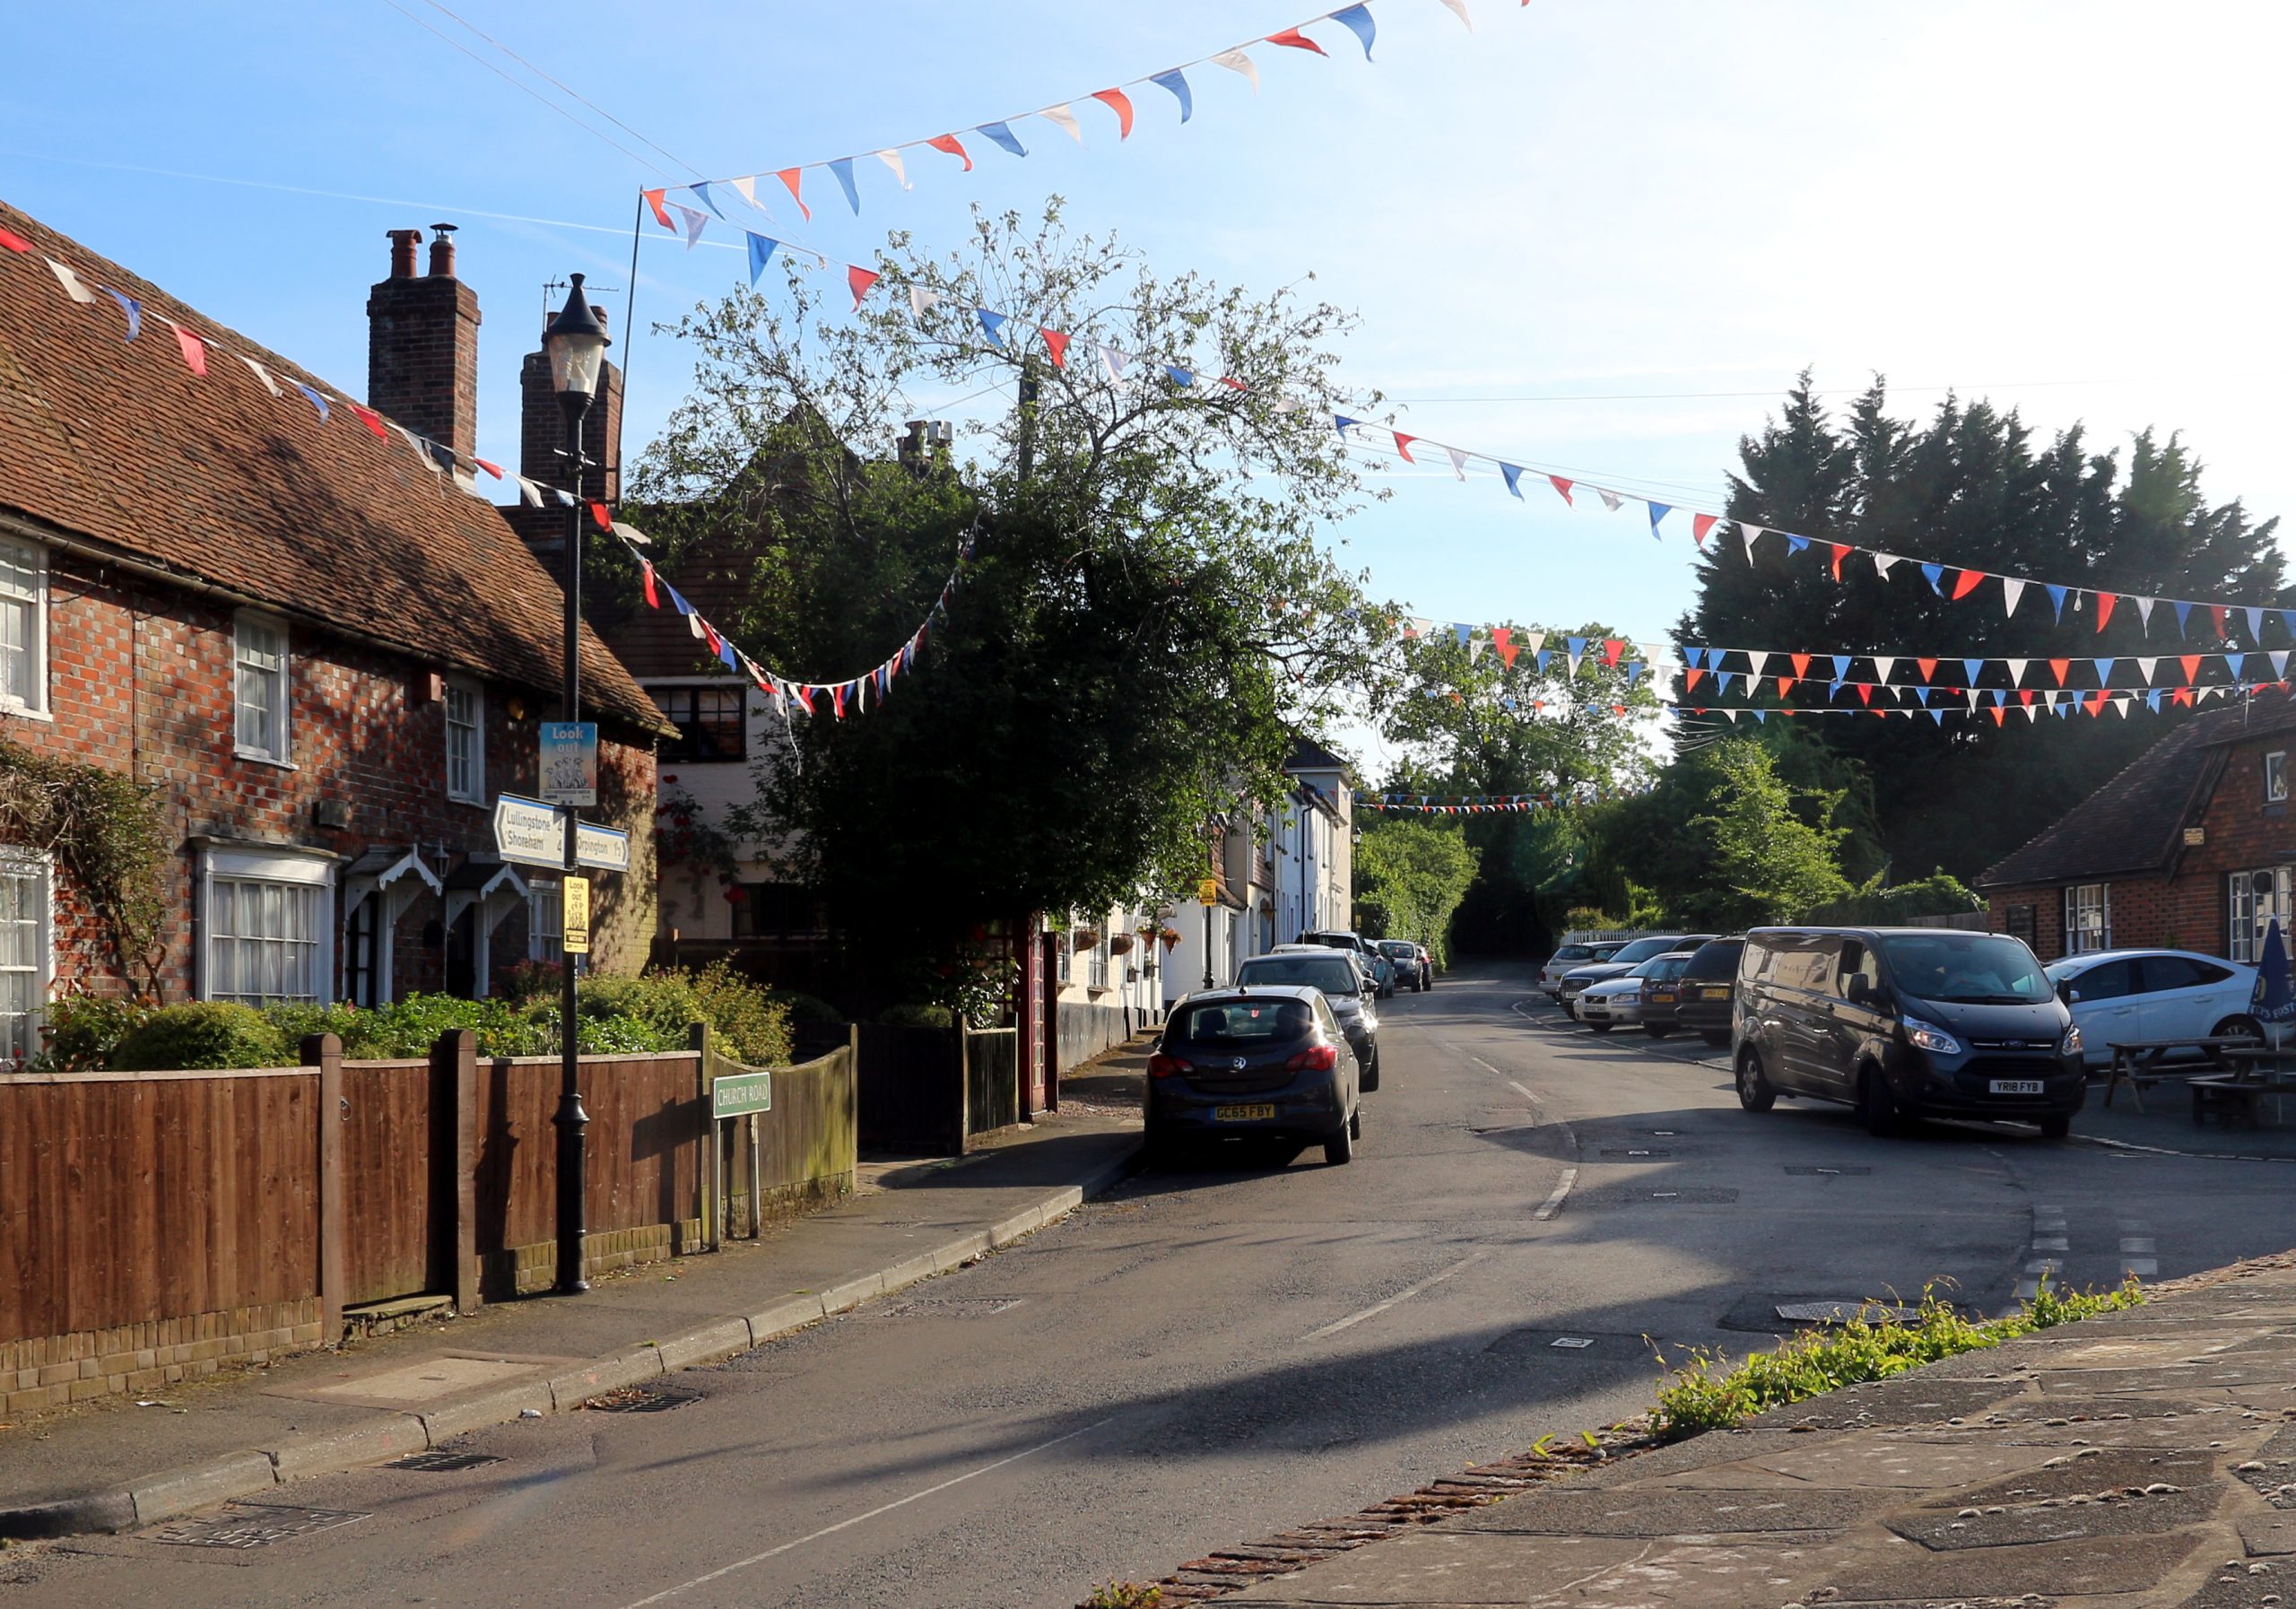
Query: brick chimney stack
x=422 y=343
x=542 y=428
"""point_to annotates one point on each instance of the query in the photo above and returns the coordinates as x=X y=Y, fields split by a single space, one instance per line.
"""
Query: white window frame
x=310 y=873
x=20 y=1033
x=2248 y=916
x=545 y=922
x=282 y=749
x=2084 y=935
x=1096 y=970
x=31 y=596
x=2276 y=777
x=474 y=788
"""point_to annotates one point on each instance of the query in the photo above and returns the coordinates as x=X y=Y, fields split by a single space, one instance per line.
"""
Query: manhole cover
x=1687 y=1196
x=1572 y=1342
x=1637 y=1154
x=253 y=1524
x=642 y=1399
x=439 y=1463
x=1842 y=1312
x=953 y=1306
x=1821 y=1172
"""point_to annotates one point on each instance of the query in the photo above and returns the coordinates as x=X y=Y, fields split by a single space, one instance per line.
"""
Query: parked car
x=1267 y=1060
x=1568 y=957
x=1341 y=981
x=1618 y=1002
x=1659 y=982
x=1904 y=1022
x=2122 y=995
x=1624 y=960
x=1382 y=970
x=1413 y=964
x=1707 y=986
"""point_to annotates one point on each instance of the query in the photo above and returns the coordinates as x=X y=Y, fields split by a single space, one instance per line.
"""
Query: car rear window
x=1717 y=960
x=1399 y=949
x=1239 y=1025
x=1573 y=953
x=1333 y=974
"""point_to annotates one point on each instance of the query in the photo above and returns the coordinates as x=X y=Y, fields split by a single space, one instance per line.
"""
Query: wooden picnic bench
x=2137 y=1062
x=2260 y=1072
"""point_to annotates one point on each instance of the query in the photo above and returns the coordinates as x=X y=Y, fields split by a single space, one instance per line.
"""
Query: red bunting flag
x=1841 y=549
x=1403 y=446
x=1690 y=678
x=1927 y=666
x=1231 y=382
x=1295 y=40
x=710 y=635
x=646 y=571
x=1700 y=524
x=790 y=177
x=1998 y=713
x=949 y=143
x=2058 y=667
x=803 y=693
x=13 y=241
x=1785 y=686
x=1057 y=344
x=2105 y=602
x=1613 y=647
x=1118 y=103
x=2096 y=703
x=661 y=212
x=1865 y=694
x=860 y=279
x=371 y=420
x=1801 y=664
x=1561 y=485
x=2183 y=695
x=1502 y=640
x=494 y=469
x=2025 y=697
x=1966 y=582
x=2216 y=615
x=2191 y=662
x=598 y=512
x=194 y=350
x=1621 y=709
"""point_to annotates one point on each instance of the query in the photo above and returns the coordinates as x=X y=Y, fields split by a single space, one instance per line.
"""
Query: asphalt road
x=1212 y=1354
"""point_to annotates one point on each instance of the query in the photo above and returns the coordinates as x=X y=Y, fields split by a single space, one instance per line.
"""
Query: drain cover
x=1572 y=1342
x=439 y=1463
x=253 y=1524
x=1653 y=1153
x=1842 y=1312
x=642 y=1399
x=1827 y=1172
x=953 y=1306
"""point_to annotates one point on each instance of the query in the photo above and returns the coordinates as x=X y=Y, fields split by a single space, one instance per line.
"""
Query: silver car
x=1337 y=975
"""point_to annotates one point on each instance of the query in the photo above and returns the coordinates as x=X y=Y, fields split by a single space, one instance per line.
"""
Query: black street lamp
x=576 y=342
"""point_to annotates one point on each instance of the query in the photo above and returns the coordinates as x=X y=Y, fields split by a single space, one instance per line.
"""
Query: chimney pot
x=402 y=252
x=442 y=252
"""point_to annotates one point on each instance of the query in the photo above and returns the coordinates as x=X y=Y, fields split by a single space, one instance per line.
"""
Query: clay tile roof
x=214 y=479
x=2133 y=822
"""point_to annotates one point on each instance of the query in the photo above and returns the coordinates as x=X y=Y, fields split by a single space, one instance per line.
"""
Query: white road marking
x=1377 y=1307
x=1519 y=1089
x=1487 y=1067
x=2048 y=1242
x=2143 y=1243
x=1553 y=1204
x=843 y=1524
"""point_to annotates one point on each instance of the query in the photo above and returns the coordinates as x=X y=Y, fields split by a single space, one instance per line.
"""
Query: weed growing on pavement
x=1702 y=1394
x=1124 y=1595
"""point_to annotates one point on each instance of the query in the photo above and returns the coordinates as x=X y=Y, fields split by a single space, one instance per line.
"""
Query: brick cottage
x=2190 y=847
x=323 y=653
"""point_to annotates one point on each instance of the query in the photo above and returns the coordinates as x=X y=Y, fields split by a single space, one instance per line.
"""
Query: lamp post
x=576 y=342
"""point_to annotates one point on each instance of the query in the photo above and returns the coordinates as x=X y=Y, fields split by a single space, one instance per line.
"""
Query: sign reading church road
x=530 y=833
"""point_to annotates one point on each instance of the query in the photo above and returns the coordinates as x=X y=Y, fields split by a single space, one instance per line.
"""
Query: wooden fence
x=155 y=1225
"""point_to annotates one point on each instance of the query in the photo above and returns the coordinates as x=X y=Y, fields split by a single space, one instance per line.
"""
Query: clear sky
x=1643 y=216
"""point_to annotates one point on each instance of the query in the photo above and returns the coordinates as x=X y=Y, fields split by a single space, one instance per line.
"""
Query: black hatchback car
x=1905 y=1023
x=1268 y=1060
x=1706 y=988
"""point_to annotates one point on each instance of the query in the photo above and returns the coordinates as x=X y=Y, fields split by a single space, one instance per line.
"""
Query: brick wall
x=542 y=432
x=141 y=681
x=422 y=347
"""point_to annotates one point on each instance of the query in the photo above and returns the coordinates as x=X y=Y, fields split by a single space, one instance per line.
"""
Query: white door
x=2105 y=1003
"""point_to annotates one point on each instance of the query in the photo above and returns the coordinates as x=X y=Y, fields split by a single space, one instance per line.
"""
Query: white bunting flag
x=70 y=280
x=1113 y=361
x=2010 y=591
x=891 y=159
x=529 y=494
x=1750 y=534
x=1460 y=8
x=1459 y=461
x=1610 y=498
x=1883 y=665
x=1288 y=405
x=1573 y=655
x=2016 y=671
x=2144 y=612
x=631 y=534
x=921 y=297
x=1235 y=61
x=746 y=188
x=1065 y=120
x=264 y=374
x=1973 y=698
x=695 y=219
x=2032 y=713
x=693 y=620
x=1882 y=562
x=1476 y=643
x=2144 y=669
x=2279 y=664
x=1532 y=641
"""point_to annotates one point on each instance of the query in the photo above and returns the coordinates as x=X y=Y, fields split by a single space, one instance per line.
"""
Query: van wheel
x=2056 y=1127
x=1754 y=1093
x=1877 y=1104
x=1339 y=1149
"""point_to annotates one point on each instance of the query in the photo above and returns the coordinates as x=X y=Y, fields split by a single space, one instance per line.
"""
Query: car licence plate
x=1241 y=1114
x=1720 y=993
x=2016 y=1086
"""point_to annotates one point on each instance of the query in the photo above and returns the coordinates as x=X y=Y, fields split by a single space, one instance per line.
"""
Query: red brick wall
x=422 y=354
x=141 y=682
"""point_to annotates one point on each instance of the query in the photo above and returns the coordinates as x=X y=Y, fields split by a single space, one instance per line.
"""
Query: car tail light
x=1322 y=1058
x=1161 y=1066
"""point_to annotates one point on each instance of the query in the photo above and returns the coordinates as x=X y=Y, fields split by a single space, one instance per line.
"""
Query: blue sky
x=1645 y=215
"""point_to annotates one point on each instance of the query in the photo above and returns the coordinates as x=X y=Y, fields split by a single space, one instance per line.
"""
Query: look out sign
x=574 y=903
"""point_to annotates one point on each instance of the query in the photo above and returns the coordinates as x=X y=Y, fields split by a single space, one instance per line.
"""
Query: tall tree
x=1410 y=876
x=1144 y=619
x=1971 y=488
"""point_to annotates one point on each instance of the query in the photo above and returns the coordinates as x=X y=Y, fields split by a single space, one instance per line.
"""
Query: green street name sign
x=738 y=1094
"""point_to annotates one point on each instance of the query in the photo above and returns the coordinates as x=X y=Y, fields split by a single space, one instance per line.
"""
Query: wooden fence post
x=706 y=1177
x=454 y=1073
x=325 y=1052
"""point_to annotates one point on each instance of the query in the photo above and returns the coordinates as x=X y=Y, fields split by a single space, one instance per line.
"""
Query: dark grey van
x=1905 y=1023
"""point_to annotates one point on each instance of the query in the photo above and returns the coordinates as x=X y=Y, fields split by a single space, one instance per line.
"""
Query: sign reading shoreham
x=532 y=833
x=738 y=1094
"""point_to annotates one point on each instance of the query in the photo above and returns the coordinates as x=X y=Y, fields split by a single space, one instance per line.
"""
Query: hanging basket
x=1121 y=944
x=1084 y=938
x=1168 y=937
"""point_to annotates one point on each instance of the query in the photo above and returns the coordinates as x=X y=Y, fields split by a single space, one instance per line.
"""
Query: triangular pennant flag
x=1113 y=361
x=1002 y=134
x=2010 y=591
x=2183 y=609
x=1966 y=583
x=1513 y=475
x=371 y=420
x=2143 y=613
x=1884 y=664
x=891 y=159
x=1120 y=103
x=1539 y=656
x=1865 y=694
x=1064 y=118
x=2056 y=601
x=1177 y=83
x=1502 y=641
x=1973 y=671
x=1294 y=40
x=264 y=374
x=1700 y=524
x=1403 y=442
x=695 y=220
x=1611 y=500
x=2016 y=671
x=2057 y=667
x=1357 y=19
x=2191 y=662
x=70 y=280
x=1562 y=486
x=746 y=188
x=1057 y=344
x=645 y=574
x=2216 y=620
x=132 y=308
x=1576 y=646
x=1235 y=61
x=1998 y=714
x=791 y=179
x=2279 y=657
x=1938 y=716
x=315 y=400
x=1749 y=535
x=2104 y=669
x=2233 y=662
x=1460 y=8
x=194 y=350
x=1801 y=665
x=842 y=169
x=1928 y=668
x=860 y=279
x=991 y=325
x=949 y=143
x=2256 y=625
x=1459 y=461
x=920 y=298
x=653 y=199
x=1841 y=549
x=701 y=192
x=1795 y=544
x=1841 y=667
x=1341 y=423
x=1935 y=572
x=2144 y=669
x=2105 y=602
x=1613 y=647
x=761 y=253
x=1533 y=641
x=1658 y=511
x=1882 y=562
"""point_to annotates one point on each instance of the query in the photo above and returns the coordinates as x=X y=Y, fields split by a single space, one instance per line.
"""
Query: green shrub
x=753 y=1023
x=918 y=1016
x=204 y=1033
x=82 y=1031
x=1702 y=1394
x=806 y=1008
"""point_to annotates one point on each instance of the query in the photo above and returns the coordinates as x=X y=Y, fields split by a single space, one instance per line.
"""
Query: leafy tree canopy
x=1410 y=876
